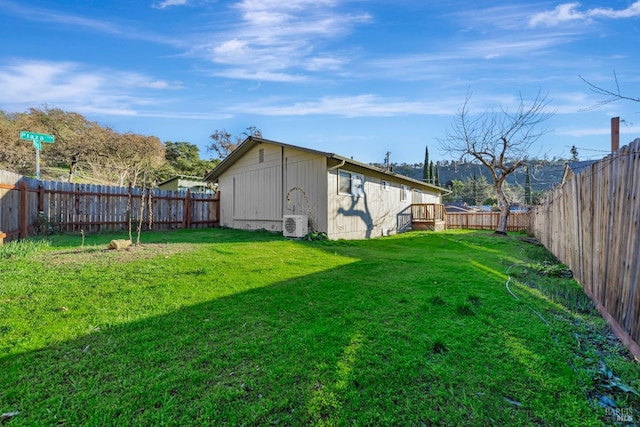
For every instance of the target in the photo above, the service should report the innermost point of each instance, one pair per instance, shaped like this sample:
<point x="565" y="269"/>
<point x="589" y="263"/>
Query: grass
<point x="22" y="248"/>
<point x="224" y="327"/>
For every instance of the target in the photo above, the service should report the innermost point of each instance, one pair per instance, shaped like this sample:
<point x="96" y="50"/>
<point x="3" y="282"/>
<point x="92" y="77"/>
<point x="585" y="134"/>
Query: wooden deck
<point x="428" y="216"/>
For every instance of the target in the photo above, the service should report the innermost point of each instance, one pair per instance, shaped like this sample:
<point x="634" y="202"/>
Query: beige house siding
<point x="375" y="213"/>
<point x="306" y="186"/>
<point x="267" y="180"/>
<point x="254" y="191"/>
<point x="420" y="196"/>
<point x="256" y="197"/>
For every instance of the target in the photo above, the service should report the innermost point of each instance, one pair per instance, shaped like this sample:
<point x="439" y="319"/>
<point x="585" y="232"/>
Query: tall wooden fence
<point x="487" y="220"/>
<point x="28" y="206"/>
<point x="591" y="223"/>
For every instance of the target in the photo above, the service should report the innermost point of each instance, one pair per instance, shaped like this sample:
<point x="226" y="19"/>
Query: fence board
<point x="92" y="208"/>
<point x="591" y="223"/>
<point x="487" y="220"/>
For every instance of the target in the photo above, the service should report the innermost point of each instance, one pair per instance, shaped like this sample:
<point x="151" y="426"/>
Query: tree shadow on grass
<point x="352" y="344"/>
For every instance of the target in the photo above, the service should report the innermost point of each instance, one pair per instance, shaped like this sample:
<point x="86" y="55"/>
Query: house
<point x="263" y="181"/>
<point x="571" y="169"/>
<point x="184" y="183"/>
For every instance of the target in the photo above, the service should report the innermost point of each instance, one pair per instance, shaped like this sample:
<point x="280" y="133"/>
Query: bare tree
<point x="610" y="95"/>
<point x="499" y="140"/>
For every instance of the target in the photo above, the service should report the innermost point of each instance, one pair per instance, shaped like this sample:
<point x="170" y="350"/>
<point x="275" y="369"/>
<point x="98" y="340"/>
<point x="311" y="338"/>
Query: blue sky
<point x="353" y="77"/>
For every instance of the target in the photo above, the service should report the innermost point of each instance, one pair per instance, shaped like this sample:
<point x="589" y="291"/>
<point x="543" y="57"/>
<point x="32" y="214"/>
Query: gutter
<point x="339" y="165"/>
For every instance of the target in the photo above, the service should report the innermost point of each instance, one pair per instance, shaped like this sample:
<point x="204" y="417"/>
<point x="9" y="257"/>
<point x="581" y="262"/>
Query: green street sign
<point x="36" y="137"/>
<point x="37" y="145"/>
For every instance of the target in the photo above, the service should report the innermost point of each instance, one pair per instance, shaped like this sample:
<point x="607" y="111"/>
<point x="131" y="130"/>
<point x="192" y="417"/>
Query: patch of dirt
<point x="103" y="256"/>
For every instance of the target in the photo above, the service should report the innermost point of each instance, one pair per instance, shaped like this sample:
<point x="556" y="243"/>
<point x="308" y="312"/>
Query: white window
<point x="404" y="193"/>
<point x="350" y="183"/>
<point x="385" y="185"/>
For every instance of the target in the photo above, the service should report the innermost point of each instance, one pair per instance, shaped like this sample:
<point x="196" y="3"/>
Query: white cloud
<point x="49" y="16"/>
<point x="167" y="3"/>
<point x="72" y="86"/>
<point x="350" y="106"/>
<point x="274" y="36"/>
<point x="567" y="12"/>
<point x="515" y="45"/>
<point x="260" y="75"/>
<point x="232" y="51"/>
<point x="321" y="63"/>
<point x="507" y="17"/>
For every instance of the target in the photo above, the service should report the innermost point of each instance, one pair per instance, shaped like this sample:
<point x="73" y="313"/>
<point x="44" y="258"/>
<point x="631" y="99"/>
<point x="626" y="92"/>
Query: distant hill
<point x="544" y="174"/>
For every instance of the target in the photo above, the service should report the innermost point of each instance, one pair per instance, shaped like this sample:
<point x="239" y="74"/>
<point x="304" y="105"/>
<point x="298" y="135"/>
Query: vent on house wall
<point x="261" y="155"/>
<point x="295" y="226"/>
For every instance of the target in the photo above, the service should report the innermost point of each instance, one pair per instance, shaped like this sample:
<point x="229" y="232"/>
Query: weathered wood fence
<point x="27" y="206"/>
<point x="591" y="223"/>
<point x="487" y="220"/>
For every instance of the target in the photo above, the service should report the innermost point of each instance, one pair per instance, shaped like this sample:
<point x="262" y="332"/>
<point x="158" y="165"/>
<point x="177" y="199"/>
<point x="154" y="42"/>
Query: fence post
<point x="217" y="196"/>
<point x="40" y="198"/>
<point x="186" y="211"/>
<point x="24" y="215"/>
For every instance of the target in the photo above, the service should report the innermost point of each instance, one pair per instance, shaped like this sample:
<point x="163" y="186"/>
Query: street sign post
<point x="37" y="139"/>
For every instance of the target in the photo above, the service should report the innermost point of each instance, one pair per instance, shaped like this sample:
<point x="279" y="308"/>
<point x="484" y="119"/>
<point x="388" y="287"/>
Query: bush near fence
<point x="591" y="223"/>
<point x="29" y="206"/>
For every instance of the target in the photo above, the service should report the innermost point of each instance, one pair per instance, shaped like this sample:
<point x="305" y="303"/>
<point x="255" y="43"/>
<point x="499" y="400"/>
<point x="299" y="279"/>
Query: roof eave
<point x="252" y="141"/>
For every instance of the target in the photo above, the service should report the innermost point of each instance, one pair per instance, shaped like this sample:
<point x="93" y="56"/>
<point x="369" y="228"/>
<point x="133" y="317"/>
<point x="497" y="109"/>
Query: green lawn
<point x="224" y="327"/>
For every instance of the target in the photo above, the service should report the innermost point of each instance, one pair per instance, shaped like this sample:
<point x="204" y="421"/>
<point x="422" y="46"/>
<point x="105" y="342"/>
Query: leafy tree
<point x="74" y="137"/>
<point x="432" y="173"/>
<point x="80" y="145"/>
<point x="425" y="167"/>
<point x="224" y="144"/>
<point x="127" y="158"/>
<point x="456" y="188"/>
<point x="184" y="159"/>
<point x="499" y="141"/>
<point x="15" y="155"/>
<point x="473" y="191"/>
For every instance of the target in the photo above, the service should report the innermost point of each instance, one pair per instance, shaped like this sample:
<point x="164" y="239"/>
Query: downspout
<point x="339" y="165"/>
<point x="282" y="178"/>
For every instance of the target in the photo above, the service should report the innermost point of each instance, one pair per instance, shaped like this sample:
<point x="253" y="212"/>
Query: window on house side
<point x="261" y="155"/>
<point x="350" y="183"/>
<point x="344" y="182"/>
<point x="404" y="193"/>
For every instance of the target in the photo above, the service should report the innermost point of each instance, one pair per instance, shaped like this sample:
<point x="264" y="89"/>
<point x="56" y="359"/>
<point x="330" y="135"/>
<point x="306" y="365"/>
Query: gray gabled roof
<point x="252" y="141"/>
<point x="578" y="167"/>
<point x="186" y="177"/>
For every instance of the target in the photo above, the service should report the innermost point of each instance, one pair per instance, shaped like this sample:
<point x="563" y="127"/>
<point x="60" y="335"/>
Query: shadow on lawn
<point x="350" y="344"/>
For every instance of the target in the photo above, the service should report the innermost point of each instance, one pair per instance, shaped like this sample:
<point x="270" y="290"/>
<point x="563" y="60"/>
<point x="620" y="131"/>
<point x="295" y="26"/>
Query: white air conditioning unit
<point x="295" y="225"/>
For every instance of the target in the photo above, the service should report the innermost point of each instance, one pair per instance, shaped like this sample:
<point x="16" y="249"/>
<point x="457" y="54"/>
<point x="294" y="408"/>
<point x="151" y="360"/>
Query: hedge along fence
<point x="29" y="206"/>
<point x="591" y="223"/>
